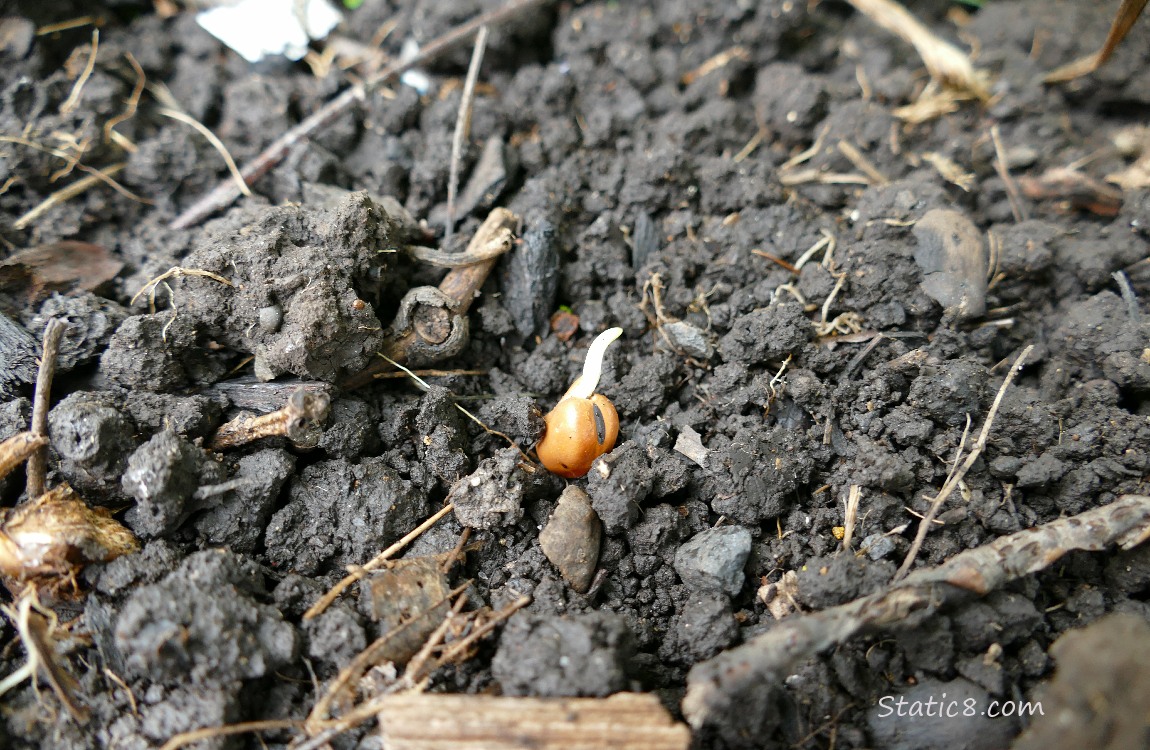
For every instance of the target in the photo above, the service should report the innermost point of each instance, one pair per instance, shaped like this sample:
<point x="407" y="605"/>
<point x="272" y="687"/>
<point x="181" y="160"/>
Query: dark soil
<point x="744" y="419"/>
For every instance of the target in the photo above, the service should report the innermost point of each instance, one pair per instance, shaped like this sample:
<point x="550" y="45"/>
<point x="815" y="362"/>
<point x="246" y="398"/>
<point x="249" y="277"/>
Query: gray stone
<point x="878" y="546"/>
<point x="713" y="559"/>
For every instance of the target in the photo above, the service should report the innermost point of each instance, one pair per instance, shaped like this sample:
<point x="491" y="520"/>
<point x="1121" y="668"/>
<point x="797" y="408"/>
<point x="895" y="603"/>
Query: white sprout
<point x="584" y="385"/>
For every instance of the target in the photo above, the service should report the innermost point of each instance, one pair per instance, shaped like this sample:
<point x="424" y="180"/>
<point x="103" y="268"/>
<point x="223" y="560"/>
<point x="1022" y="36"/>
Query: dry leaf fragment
<point x="62" y="266"/>
<point x="47" y="541"/>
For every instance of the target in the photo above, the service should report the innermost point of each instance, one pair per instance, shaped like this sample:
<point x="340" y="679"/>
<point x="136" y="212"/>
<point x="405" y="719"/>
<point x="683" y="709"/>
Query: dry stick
<point x="724" y="686"/>
<point x="957" y="472"/>
<point x="225" y="193"/>
<point x="357" y="574"/>
<point x="38" y="460"/>
<point x="1016" y="207"/>
<point x="463" y="126"/>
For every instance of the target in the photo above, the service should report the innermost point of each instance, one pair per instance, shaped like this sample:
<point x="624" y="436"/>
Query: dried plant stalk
<point x="16" y="449"/>
<point x="947" y="64"/>
<point x="721" y="687"/>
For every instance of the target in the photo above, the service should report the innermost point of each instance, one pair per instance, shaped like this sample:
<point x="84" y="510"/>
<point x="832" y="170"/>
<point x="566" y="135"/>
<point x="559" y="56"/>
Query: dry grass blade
<point x="130" y="106"/>
<point x="73" y="99"/>
<point x="946" y="63"/>
<point x="186" y="738"/>
<point x="66" y="193"/>
<point x="463" y="126"/>
<point x="958" y="471"/>
<point x="72" y="162"/>
<point x="1000" y="166"/>
<point x="211" y="138"/>
<point x="174" y="273"/>
<point x="1128" y="13"/>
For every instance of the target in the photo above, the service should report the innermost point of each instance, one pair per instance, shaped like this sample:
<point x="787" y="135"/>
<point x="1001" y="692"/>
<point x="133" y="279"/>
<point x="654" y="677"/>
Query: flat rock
<point x="712" y="560"/>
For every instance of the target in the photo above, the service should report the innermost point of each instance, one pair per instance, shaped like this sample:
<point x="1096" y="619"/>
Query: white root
<point x="585" y="385"/>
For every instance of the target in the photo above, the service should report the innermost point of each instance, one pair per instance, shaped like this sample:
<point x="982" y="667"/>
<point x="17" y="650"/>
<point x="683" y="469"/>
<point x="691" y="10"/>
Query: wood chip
<point x="625" y="721"/>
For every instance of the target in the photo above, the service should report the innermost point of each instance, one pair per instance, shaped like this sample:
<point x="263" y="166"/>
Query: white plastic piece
<point x="258" y="28"/>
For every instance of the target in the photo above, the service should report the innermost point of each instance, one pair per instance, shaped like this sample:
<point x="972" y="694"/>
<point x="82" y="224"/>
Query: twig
<point x="357" y="574"/>
<point x="1000" y="166"/>
<point x="958" y="471"/>
<point x="38" y="460"/>
<point x="225" y="193"/>
<point x="295" y="421"/>
<point x="732" y="684"/>
<point x="463" y="126"/>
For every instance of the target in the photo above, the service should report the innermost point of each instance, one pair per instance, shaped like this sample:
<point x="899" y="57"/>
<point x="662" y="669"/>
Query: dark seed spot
<point x="600" y="424"/>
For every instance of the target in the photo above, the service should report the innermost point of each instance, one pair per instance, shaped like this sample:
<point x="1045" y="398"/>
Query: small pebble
<point x="878" y="546"/>
<point x="271" y="317"/>
<point x="571" y="538"/>
<point x="713" y="560"/>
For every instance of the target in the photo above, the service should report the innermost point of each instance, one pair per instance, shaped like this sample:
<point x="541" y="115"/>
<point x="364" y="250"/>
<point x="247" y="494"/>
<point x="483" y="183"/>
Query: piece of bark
<point x="734" y="688"/>
<point x="624" y="721"/>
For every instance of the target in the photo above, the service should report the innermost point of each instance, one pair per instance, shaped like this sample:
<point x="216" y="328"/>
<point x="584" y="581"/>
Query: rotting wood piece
<point x="298" y="421"/>
<point x="625" y="721"/>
